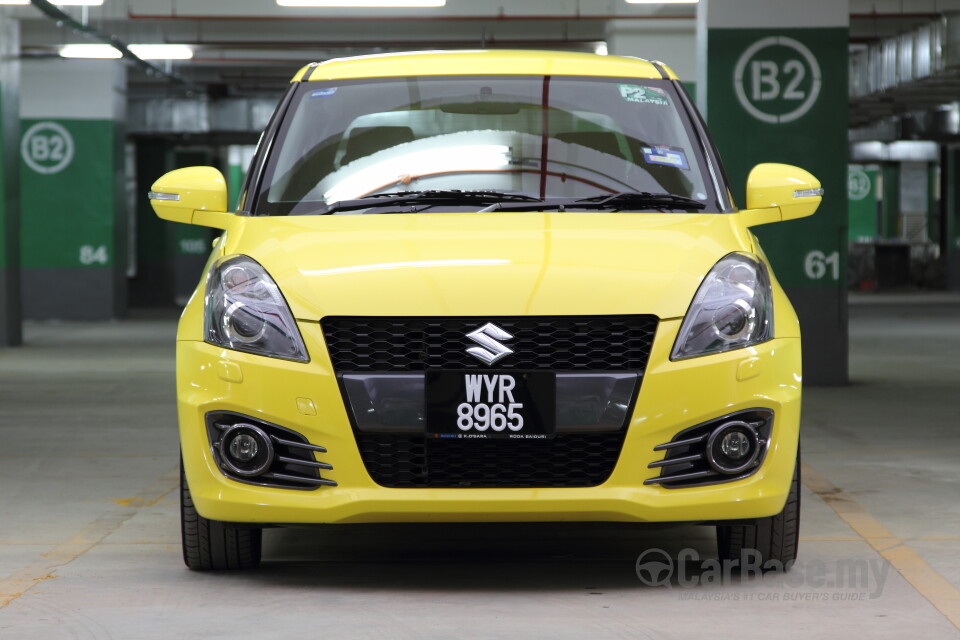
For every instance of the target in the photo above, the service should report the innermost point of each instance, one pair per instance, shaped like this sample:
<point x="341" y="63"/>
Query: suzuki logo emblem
<point x="490" y="349"/>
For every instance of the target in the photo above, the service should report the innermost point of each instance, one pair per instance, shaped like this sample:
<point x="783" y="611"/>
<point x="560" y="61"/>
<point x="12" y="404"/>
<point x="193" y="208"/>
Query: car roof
<point x="494" y="62"/>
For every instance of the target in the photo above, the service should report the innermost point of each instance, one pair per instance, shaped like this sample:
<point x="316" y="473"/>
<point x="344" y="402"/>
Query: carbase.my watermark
<point x="843" y="579"/>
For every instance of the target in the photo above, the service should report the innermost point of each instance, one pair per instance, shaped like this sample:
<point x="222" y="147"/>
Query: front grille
<point x="561" y="343"/>
<point x="411" y="461"/>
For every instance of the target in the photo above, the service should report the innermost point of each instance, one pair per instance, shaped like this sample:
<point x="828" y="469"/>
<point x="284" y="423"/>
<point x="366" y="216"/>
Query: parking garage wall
<point x="73" y="227"/>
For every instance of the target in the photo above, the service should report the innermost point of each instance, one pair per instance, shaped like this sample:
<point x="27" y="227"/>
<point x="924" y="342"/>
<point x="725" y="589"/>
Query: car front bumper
<point x="306" y="398"/>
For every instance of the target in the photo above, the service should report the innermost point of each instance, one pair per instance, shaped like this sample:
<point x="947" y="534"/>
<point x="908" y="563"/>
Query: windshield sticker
<point x="323" y="93"/>
<point x="666" y="155"/>
<point x="644" y="95"/>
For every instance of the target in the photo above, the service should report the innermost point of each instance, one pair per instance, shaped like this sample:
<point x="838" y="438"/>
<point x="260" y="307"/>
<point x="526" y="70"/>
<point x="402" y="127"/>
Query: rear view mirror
<point x="777" y="192"/>
<point x="194" y="195"/>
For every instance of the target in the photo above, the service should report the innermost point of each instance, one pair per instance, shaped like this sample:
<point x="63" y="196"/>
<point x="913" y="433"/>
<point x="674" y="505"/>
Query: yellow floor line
<point x="914" y="569"/>
<point x="859" y="539"/>
<point x="20" y="582"/>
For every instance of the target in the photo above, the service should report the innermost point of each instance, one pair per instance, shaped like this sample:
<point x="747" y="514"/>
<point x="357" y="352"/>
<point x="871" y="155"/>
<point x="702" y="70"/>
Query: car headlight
<point x="733" y="309"/>
<point x="244" y="310"/>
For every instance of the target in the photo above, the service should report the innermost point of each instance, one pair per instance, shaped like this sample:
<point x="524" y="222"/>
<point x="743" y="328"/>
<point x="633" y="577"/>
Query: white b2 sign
<point x="774" y="72"/>
<point x="47" y="148"/>
<point x="858" y="184"/>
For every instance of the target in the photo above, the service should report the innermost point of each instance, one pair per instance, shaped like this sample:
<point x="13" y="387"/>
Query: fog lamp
<point x="733" y="447"/>
<point x="244" y="447"/>
<point x="246" y="450"/>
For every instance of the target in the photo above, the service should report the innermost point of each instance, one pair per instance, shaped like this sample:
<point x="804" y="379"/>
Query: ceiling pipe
<point x="64" y="19"/>
<point x="491" y="18"/>
<point x="896" y="16"/>
<point x="366" y="44"/>
<point x="497" y="17"/>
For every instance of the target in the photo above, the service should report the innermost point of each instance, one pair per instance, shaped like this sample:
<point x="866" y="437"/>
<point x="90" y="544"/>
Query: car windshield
<point x="536" y="137"/>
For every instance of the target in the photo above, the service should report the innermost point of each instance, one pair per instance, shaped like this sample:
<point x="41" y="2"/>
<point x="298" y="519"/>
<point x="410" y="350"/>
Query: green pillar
<point x="73" y="231"/>
<point x="10" y="316"/>
<point x="238" y="160"/>
<point x="776" y="93"/>
<point x="863" y="201"/>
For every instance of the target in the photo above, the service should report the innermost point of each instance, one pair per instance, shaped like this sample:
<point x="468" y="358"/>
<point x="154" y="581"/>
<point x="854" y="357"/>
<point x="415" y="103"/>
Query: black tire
<point x="774" y="538"/>
<point x="211" y="544"/>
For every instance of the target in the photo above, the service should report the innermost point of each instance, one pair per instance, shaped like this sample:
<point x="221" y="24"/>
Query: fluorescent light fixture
<point x="62" y="3"/>
<point x="143" y="51"/>
<point x="162" y="51"/>
<point x="362" y="3"/>
<point x="102" y="51"/>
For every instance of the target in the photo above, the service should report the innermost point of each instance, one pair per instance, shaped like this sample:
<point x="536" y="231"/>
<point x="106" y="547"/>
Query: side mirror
<point x="194" y="195"/>
<point x="777" y="192"/>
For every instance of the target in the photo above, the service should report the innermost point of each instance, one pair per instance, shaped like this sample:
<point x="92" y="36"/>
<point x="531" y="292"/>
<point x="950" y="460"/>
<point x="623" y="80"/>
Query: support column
<point x="10" y="315"/>
<point x="773" y="87"/>
<point x="950" y="227"/>
<point x="72" y="189"/>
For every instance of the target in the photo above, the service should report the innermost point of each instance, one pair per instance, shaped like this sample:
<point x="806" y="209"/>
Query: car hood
<point x="488" y="264"/>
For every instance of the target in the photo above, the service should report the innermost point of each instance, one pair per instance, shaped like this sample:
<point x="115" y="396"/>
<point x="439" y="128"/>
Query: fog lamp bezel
<point x="266" y="447"/>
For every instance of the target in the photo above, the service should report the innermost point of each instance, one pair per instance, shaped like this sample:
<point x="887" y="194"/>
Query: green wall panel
<point x="235" y="177"/>
<point x="67" y="193"/>
<point x="791" y="111"/>
<point x="863" y="201"/>
<point x="891" y="201"/>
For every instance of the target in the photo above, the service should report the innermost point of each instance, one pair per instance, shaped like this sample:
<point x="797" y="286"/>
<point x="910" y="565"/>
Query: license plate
<point x="472" y="404"/>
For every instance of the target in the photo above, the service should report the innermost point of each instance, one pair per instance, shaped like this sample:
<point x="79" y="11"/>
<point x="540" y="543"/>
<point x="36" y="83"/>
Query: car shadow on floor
<point x="461" y="557"/>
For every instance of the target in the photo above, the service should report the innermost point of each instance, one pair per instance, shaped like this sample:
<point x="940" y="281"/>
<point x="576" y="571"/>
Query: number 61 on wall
<point x="816" y="263"/>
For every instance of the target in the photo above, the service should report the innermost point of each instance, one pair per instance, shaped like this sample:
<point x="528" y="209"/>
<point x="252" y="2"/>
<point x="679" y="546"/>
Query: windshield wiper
<point x="626" y="199"/>
<point x="432" y="198"/>
<point x="613" y="202"/>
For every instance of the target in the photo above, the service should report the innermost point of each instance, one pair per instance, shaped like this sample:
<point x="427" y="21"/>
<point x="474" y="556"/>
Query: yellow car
<point x="488" y="286"/>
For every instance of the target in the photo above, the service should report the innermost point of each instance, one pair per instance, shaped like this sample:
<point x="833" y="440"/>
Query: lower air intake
<point x="413" y="461"/>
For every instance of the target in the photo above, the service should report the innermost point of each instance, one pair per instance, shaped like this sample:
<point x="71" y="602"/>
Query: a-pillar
<point x="74" y="219"/>
<point x="773" y="87"/>
<point x="10" y="316"/>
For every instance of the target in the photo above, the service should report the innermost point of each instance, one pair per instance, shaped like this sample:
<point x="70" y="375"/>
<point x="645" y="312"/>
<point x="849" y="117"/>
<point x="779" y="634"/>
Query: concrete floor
<point x="89" y="533"/>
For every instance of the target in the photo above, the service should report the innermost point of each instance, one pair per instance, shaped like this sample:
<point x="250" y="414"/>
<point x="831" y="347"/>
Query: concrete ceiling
<point x="247" y="47"/>
<point x="252" y="47"/>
